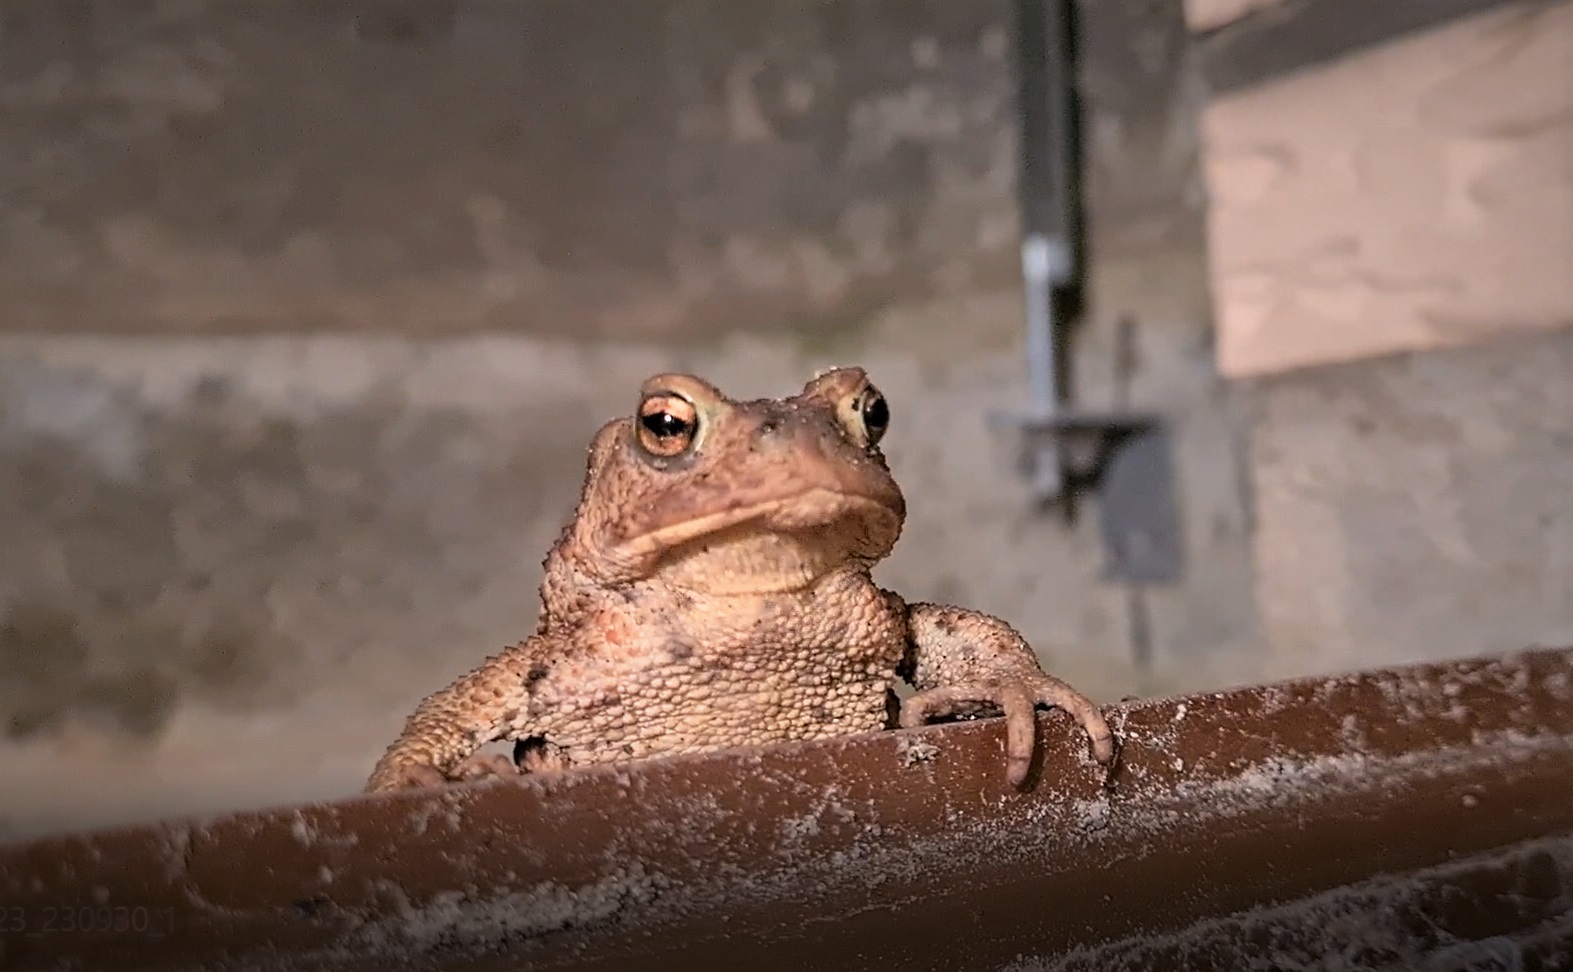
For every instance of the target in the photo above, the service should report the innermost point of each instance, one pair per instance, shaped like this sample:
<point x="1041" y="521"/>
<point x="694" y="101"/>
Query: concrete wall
<point x="1416" y="506"/>
<point x="1414" y="195"/>
<point x="310" y="319"/>
<point x="431" y="168"/>
<point x="551" y="167"/>
<point x="1391" y="251"/>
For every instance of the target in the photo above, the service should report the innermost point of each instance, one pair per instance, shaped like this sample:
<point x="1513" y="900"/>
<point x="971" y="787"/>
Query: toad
<point x="713" y="590"/>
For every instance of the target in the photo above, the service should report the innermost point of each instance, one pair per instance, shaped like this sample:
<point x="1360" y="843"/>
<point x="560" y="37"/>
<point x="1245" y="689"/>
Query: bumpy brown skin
<point x="713" y="590"/>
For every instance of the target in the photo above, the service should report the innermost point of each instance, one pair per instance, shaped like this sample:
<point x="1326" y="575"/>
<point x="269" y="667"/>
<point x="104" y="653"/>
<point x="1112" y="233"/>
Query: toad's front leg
<point x="966" y="663"/>
<point x="441" y="739"/>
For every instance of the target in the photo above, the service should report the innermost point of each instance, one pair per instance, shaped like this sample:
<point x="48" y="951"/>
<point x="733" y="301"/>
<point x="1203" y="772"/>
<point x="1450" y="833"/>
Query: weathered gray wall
<point x="1391" y="253"/>
<point x="231" y="559"/>
<point x="647" y="169"/>
<point x="664" y="168"/>
<point x="1416" y="505"/>
<point x="1413" y="195"/>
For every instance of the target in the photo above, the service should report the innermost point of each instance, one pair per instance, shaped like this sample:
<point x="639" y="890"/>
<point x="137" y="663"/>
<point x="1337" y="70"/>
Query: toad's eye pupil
<point x="664" y="425"/>
<point x="876" y="414"/>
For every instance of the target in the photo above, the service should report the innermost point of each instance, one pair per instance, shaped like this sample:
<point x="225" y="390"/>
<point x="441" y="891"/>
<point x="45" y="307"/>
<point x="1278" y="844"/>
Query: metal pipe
<point x="1049" y="217"/>
<point x="1037" y="271"/>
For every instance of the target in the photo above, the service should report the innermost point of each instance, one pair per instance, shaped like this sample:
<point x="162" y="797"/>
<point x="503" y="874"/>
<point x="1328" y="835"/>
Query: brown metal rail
<point x="1390" y="817"/>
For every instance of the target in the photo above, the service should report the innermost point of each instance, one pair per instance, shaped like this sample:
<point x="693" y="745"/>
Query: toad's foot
<point x="1018" y="701"/>
<point x="405" y="776"/>
<point x="484" y="766"/>
<point x="413" y="776"/>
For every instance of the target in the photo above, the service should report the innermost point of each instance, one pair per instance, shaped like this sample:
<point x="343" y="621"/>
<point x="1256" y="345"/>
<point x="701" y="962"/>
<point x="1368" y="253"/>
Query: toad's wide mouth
<point x="812" y="509"/>
<point x="805" y="533"/>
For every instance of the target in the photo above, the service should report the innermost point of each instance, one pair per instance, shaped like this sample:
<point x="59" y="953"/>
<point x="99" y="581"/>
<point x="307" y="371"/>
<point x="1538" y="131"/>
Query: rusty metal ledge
<point x="892" y="850"/>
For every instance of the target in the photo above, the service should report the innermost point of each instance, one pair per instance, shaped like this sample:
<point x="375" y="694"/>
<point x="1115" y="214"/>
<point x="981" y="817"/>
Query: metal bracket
<point x="1124" y="458"/>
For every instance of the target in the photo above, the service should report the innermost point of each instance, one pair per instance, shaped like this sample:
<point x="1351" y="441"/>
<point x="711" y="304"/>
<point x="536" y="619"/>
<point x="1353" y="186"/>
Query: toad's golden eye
<point x="865" y="415"/>
<point x="667" y="424"/>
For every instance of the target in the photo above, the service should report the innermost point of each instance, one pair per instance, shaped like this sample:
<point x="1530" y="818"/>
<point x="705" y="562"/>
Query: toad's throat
<point x="747" y="560"/>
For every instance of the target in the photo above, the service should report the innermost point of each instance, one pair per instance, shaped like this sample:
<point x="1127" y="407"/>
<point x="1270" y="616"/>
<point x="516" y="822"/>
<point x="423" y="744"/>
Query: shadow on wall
<point x="132" y="585"/>
<point x="96" y="631"/>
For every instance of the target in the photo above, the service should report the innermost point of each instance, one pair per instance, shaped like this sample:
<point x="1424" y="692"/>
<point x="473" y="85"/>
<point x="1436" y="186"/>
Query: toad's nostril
<point x="769" y="426"/>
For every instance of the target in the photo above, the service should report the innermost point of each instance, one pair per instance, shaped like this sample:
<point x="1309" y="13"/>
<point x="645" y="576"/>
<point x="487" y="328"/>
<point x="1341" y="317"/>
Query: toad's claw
<point x="413" y="776"/>
<point x="1018" y="702"/>
<point x="405" y="776"/>
<point x="485" y="766"/>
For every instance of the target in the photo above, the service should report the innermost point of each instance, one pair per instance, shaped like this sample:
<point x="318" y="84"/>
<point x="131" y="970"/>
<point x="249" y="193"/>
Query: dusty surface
<point x="713" y="589"/>
<point x="1519" y="907"/>
<point x="670" y="860"/>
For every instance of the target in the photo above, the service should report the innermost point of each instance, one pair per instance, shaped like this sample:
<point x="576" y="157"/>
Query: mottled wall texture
<point x="1415" y="195"/>
<point x="1391" y="261"/>
<point x="1417" y="505"/>
<point x="310" y="309"/>
<point x="428" y="168"/>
